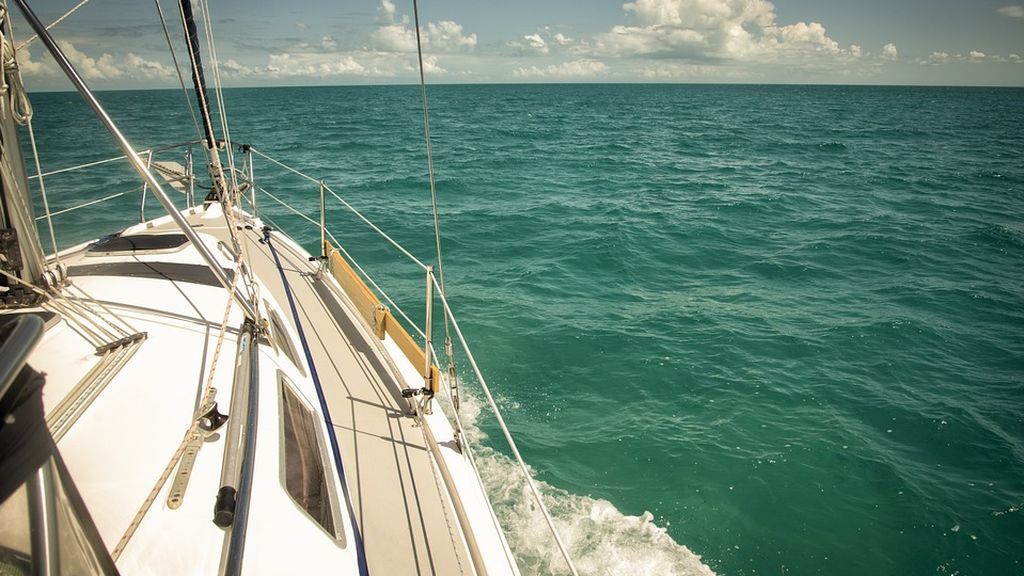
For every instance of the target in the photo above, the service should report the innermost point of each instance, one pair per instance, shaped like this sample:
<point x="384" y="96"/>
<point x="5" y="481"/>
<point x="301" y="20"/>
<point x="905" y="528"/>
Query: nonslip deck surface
<point x="405" y="521"/>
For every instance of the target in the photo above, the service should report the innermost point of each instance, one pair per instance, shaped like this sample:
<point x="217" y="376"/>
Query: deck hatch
<point x="304" y="471"/>
<point x="138" y="243"/>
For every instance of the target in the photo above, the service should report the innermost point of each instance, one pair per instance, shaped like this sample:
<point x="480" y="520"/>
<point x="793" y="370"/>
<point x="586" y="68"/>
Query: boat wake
<point x="601" y="539"/>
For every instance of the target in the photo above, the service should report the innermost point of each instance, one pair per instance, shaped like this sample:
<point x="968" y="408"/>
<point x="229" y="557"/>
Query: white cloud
<point x="972" y="57"/>
<point x="443" y="36"/>
<point x="536" y="42"/>
<point x="102" y="68"/>
<point x="447" y="36"/>
<point x="105" y="67"/>
<point x="675" y="71"/>
<point x="716" y="31"/>
<point x="138" y="67"/>
<point x="545" y="41"/>
<point x="313" y="65"/>
<point x="431" y="66"/>
<point x="701" y="14"/>
<point x="1012" y="11"/>
<point x="30" y="67"/>
<point x="573" y="69"/>
<point x="889" y="52"/>
<point x="394" y="38"/>
<point x="387" y="11"/>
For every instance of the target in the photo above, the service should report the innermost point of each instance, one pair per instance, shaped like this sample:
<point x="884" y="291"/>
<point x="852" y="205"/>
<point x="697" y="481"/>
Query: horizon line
<point x="567" y="83"/>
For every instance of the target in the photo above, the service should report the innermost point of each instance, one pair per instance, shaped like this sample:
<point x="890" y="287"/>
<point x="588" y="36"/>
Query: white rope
<point x="42" y="191"/>
<point x="11" y="82"/>
<point x="54" y="23"/>
<point x="61" y="309"/>
<point x="208" y="393"/>
<point x="126" y="329"/>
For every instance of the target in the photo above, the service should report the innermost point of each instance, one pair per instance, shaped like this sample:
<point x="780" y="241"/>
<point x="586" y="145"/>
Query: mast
<point x="216" y="170"/>
<point x="21" y="252"/>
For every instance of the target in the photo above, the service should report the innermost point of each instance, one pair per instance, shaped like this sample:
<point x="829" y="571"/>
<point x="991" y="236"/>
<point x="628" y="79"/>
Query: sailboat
<point x="198" y="394"/>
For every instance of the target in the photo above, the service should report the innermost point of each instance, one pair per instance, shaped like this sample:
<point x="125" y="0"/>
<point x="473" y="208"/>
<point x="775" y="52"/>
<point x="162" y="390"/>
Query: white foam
<point x="601" y="539"/>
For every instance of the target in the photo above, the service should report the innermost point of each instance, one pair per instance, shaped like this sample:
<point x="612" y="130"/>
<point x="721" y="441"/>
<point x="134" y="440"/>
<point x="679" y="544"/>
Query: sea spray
<point x="601" y="539"/>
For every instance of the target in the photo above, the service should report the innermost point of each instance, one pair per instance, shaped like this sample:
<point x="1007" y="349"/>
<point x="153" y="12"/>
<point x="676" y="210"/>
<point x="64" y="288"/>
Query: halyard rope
<point x="208" y="392"/>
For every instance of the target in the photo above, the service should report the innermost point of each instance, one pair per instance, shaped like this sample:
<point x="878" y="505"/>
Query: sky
<point x="119" y="44"/>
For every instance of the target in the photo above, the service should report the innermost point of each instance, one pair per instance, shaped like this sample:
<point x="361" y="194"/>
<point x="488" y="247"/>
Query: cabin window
<point x="305" y="473"/>
<point x="282" y="339"/>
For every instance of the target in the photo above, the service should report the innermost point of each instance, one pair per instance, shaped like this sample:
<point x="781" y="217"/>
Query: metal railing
<point x="187" y="178"/>
<point x="397" y="317"/>
<point x="433" y="289"/>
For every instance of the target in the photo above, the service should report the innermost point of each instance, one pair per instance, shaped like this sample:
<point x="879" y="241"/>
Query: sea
<point x="735" y="329"/>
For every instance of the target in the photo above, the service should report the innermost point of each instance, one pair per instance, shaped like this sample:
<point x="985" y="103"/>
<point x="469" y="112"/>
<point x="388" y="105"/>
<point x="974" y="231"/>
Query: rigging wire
<point x="450" y="369"/>
<point x="54" y="23"/>
<point x="177" y="69"/>
<point x="189" y="25"/>
<point x="21" y="111"/>
<point x="219" y="93"/>
<point x="440" y="268"/>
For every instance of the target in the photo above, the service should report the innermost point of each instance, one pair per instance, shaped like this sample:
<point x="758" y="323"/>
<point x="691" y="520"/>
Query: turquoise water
<point x="784" y="321"/>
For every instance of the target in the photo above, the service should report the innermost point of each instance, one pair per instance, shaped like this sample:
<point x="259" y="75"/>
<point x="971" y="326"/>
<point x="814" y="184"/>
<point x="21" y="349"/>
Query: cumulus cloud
<point x="390" y="52"/>
<point x="715" y="31"/>
<point x="543" y="42"/>
<point x="536" y="42"/>
<point x="387" y="11"/>
<point x="573" y="69"/>
<point x="400" y="36"/>
<point x="973" y="57"/>
<point x="30" y="67"/>
<point x="889" y="52"/>
<point x="102" y="68"/>
<point x="313" y="65"/>
<point x="1012" y="11"/>
<point x="444" y="36"/>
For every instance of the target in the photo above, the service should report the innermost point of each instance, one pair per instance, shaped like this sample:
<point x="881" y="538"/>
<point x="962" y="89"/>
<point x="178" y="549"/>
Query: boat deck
<point x="403" y="514"/>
